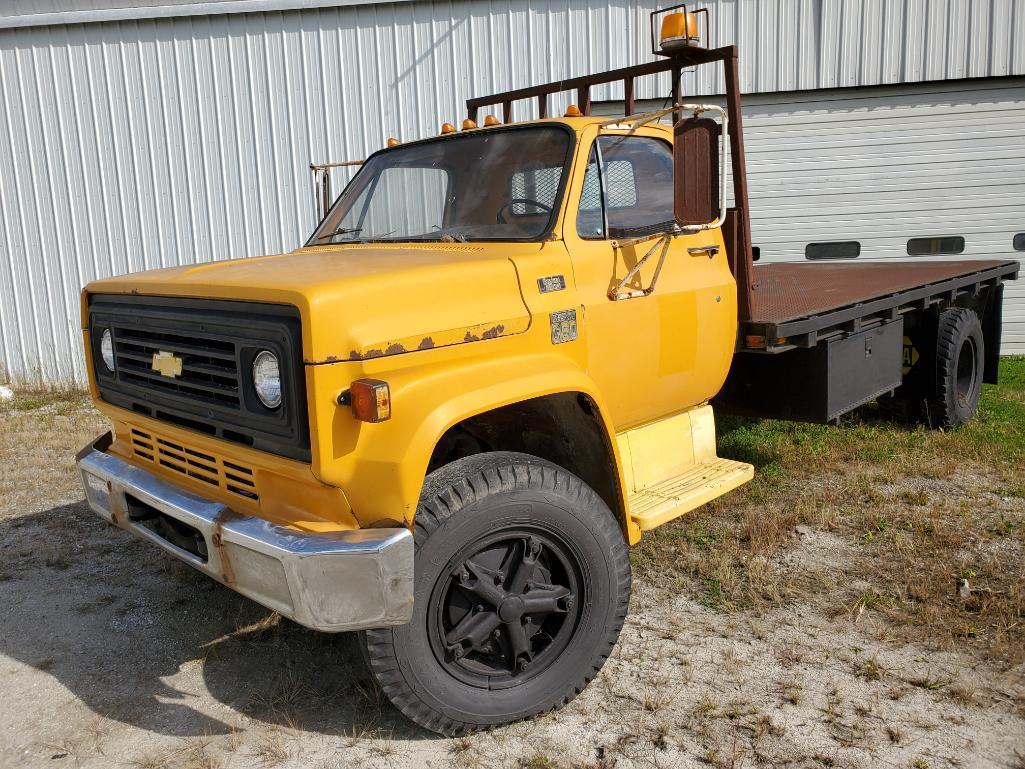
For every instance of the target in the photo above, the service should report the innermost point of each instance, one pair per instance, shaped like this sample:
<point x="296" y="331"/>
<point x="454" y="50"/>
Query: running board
<point x="672" y="498"/>
<point x="670" y="467"/>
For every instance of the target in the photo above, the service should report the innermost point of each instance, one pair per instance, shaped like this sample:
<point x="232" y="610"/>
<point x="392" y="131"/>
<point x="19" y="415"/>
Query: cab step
<point x="670" y="468"/>
<point x="680" y="494"/>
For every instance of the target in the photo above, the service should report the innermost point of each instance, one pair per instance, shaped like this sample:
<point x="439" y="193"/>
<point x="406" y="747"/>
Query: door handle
<point x="712" y="250"/>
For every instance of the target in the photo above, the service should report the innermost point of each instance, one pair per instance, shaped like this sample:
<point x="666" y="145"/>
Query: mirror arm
<point x="619" y="291"/>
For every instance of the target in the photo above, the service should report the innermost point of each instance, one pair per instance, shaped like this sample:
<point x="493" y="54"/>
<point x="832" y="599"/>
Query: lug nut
<point x="465" y="577"/>
<point x="522" y="664"/>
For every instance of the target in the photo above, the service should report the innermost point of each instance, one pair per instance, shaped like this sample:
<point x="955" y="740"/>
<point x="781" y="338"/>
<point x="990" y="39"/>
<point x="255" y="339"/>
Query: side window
<point x="636" y="176"/>
<point x="836" y="249"/>
<point x="953" y="244"/>
<point x="388" y="209"/>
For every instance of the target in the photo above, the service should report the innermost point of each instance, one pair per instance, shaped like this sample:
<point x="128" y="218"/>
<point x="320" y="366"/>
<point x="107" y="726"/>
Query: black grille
<point x="213" y="343"/>
<point x="209" y="366"/>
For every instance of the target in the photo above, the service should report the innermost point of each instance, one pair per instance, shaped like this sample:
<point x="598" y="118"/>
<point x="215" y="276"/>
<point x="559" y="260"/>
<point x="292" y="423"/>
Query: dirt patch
<point x="750" y="641"/>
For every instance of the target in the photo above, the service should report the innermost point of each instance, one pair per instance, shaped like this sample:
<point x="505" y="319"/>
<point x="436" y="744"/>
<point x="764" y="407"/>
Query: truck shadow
<point x="138" y="637"/>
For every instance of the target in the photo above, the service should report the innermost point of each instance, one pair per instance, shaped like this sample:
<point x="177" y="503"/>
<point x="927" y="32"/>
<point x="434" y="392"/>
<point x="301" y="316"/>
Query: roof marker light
<point x="468" y="124"/>
<point x="448" y="128"/>
<point x="573" y="111"/>
<point x="490" y="120"/>
<point x="393" y="142"/>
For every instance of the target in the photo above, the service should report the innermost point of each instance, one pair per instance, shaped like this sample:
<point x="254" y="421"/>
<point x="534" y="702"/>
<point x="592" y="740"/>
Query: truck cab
<point x="444" y="419"/>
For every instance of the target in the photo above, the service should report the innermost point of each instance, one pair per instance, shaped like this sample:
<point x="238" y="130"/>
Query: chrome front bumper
<point x="346" y="580"/>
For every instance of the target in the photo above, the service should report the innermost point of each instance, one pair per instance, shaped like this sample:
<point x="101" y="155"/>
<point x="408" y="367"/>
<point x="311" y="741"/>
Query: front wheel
<point x="522" y="587"/>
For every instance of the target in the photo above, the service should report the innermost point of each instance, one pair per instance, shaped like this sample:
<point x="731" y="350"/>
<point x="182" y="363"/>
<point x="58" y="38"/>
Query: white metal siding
<point x="884" y="165"/>
<point x="135" y="144"/>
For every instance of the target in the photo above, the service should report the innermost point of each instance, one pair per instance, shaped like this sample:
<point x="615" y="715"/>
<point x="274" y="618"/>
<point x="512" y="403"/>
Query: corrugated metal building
<point x="146" y="133"/>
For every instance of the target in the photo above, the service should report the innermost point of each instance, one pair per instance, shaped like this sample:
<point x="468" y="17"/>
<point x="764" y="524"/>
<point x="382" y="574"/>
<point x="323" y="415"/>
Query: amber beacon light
<point x="679" y="29"/>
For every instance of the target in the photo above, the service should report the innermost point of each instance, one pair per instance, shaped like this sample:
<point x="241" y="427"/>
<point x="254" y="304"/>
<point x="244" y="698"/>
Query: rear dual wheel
<point x="960" y="356"/>
<point x="522" y="587"/>
<point x="952" y="397"/>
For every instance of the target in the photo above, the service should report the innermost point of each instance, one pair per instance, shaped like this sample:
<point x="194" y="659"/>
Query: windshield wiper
<point x="341" y="231"/>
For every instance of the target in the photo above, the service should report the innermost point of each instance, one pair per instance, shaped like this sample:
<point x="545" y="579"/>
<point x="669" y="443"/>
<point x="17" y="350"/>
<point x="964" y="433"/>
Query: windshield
<point x="498" y="184"/>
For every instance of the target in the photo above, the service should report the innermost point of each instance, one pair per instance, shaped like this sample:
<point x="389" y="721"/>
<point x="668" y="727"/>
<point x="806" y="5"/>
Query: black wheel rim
<point x="966" y="372"/>
<point x="506" y="607"/>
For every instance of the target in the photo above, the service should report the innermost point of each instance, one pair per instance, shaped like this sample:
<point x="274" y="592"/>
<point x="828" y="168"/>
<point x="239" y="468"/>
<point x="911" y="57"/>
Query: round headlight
<point x="107" y="350"/>
<point x="267" y="379"/>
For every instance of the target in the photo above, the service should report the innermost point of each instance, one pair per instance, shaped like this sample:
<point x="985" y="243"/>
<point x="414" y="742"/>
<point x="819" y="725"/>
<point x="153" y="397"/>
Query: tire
<point x="498" y="536"/>
<point x="960" y="356"/>
<point x="901" y="408"/>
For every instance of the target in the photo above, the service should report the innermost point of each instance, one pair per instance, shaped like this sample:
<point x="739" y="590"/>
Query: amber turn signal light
<point x="370" y="400"/>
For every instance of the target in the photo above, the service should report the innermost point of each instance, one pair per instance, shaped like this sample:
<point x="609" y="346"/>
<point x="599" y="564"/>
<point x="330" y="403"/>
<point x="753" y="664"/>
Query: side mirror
<point x="696" y="182"/>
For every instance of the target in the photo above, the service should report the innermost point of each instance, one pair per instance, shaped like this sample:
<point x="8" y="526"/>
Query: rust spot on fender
<point x="394" y="349"/>
<point x="471" y="337"/>
<point x="375" y="353"/>
<point x="426" y="343"/>
<point x="354" y="355"/>
<point x="494" y="332"/>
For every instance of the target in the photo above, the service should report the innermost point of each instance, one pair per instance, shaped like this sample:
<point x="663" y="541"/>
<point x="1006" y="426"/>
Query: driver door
<point x="656" y="354"/>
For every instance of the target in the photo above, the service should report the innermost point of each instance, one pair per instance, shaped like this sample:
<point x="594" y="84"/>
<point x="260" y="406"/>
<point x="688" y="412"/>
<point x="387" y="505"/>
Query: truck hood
<point x="363" y="301"/>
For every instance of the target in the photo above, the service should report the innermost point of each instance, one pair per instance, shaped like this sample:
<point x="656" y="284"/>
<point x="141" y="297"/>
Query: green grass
<point x="29" y="399"/>
<point x="891" y="515"/>
<point x="778" y="449"/>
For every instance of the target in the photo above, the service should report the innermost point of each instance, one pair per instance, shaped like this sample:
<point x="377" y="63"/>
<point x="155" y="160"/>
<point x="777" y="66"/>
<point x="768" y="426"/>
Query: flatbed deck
<point x="797" y="304"/>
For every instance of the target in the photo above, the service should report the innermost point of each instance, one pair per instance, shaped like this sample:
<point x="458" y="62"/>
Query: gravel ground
<point x="112" y="654"/>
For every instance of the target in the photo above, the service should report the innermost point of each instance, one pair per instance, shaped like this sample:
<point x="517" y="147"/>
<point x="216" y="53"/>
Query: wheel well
<point x="564" y="428"/>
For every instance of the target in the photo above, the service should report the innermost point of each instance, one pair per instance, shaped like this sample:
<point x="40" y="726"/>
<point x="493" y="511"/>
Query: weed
<point x="870" y="670"/>
<point x="928" y="683"/>
<point x="271" y="749"/>
<point x="793" y="692"/>
<point x="918" y="497"/>
<point x="538" y="761"/>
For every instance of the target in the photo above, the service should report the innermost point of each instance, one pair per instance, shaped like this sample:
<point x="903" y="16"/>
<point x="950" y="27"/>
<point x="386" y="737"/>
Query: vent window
<point x="953" y="244"/>
<point x="838" y="249"/>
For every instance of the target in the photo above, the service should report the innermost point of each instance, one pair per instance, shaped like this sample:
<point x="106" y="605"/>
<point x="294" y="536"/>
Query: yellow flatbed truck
<point x="444" y="420"/>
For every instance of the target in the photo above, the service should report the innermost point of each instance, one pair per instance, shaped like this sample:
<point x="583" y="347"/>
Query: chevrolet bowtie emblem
<point x="167" y="364"/>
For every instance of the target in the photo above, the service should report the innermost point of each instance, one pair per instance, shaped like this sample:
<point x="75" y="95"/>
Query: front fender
<point x="381" y="467"/>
